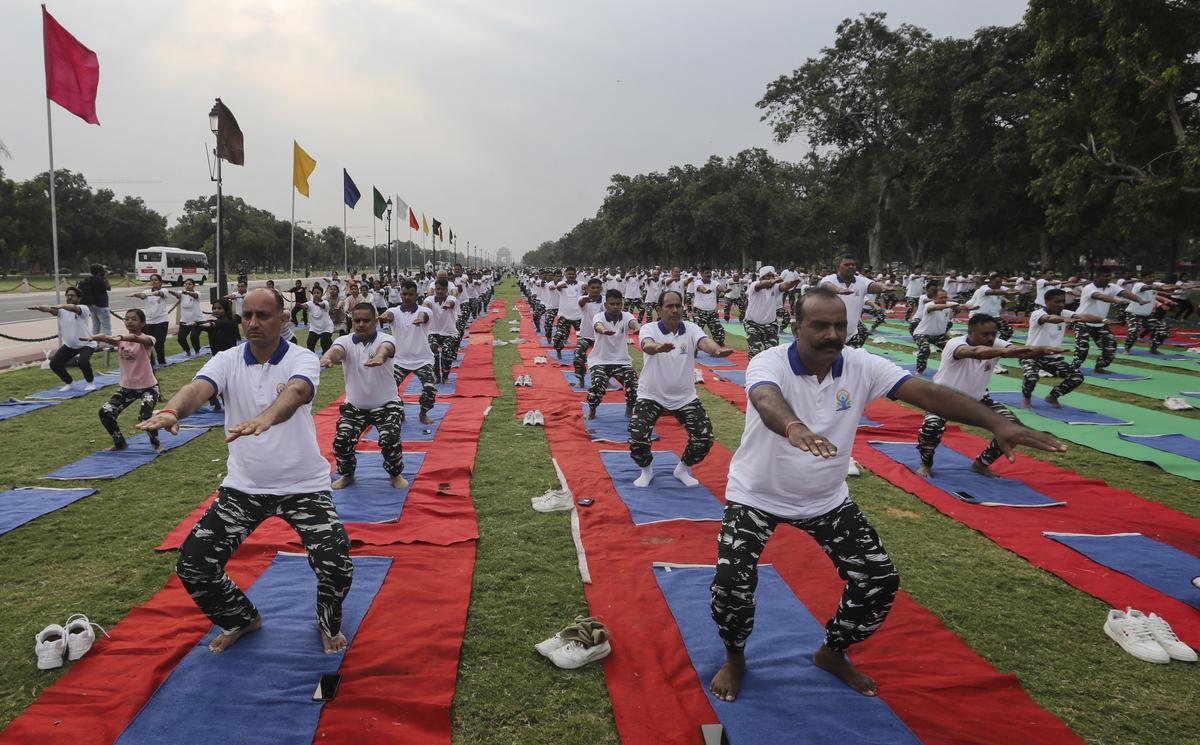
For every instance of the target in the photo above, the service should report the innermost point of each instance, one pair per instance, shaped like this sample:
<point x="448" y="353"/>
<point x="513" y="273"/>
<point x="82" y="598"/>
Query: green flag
<point x="380" y="204"/>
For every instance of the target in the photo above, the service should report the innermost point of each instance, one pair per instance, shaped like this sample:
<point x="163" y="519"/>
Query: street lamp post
<point x="388" y="223"/>
<point x="222" y="286"/>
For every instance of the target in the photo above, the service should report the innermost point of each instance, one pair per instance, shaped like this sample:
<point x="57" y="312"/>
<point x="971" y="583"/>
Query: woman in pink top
<point x="137" y="378"/>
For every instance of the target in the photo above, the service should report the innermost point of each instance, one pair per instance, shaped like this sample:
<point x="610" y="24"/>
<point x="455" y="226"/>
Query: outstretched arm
<point x="189" y="398"/>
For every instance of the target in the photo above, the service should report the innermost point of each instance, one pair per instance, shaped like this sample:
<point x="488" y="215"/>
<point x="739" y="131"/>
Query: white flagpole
<point x="53" y="208"/>
<point x="345" y="255"/>
<point x="374" y="240"/>
<point x="292" y="259"/>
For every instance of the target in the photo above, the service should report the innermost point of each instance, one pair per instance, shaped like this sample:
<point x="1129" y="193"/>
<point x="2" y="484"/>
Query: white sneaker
<point x="50" y="646"/>
<point x="559" y="502"/>
<point x="528" y="420"/>
<point x="853" y="471"/>
<point x="65" y="388"/>
<point x="573" y="654"/>
<point x="553" y="644"/>
<point x="528" y="382"/>
<point x="1165" y="636"/>
<point x="538" y="418"/>
<point x="550" y="494"/>
<point x="1133" y="634"/>
<point x="90" y="386"/>
<point x="80" y="635"/>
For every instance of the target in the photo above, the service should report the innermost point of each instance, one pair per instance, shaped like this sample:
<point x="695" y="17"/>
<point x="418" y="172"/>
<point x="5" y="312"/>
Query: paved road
<point x="13" y="305"/>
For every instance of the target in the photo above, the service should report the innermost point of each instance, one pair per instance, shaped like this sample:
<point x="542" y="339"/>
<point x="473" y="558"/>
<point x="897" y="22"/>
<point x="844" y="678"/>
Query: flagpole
<point x="410" y="248"/>
<point x="292" y="251"/>
<point x="53" y="207"/>
<point x="345" y="255"/>
<point x="375" y="245"/>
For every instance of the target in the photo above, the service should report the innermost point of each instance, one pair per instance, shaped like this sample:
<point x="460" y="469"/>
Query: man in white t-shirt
<point x="553" y="299"/>
<point x="654" y="288"/>
<point x="1046" y="326"/>
<point x="609" y="357"/>
<point x="590" y="304"/>
<point x="853" y="289"/>
<point x="933" y="326"/>
<point x="443" y="341"/>
<point x="570" y="314"/>
<point x="631" y="289"/>
<point x="414" y="356"/>
<point x="668" y="385"/>
<point x="989" y="300"/>
<point x="1142" y="317"/>
<point x="914" y="288"/>
<point x="735" y="296"/>
<point x="320" y="322"/>
<point x="275" y="469"/>
<point x="1095" y="299"/>
<point x="704" y="303"/>
<point x="762" y="333"/>
<point x="967" y="365"/>
<point x="371" y="399"/>
<point x="805" y="401"/>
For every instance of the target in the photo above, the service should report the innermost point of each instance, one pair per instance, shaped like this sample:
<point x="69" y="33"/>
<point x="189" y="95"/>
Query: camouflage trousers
<point x="537" y="310"/>
<point x="234" y="516"/>
<point x="910" y="307"/>
<point x="600" y="377"/>
<point x="119" y="401"/>
<point x="445" y="351"/>
<point x="691" y="415"/>
<point x="1104" y="340"/>
<point x="860" y="336"/>
<point x="711" y="320"/>
<point x="924" y="341"/>
<point x="563" y="332"/>
<point x="426" y="375"/>
<point x="761" y="336"/>
<point x="934" y="426"/>
<point x="1056" y="366"/>
<point x="548" y="322"/>
<point x="387" y="419"/>
<point x="1139" y="325"/>
<point x="846" y="538"/>
<point x="735" y="302"/>
<point x="579" y="360"/>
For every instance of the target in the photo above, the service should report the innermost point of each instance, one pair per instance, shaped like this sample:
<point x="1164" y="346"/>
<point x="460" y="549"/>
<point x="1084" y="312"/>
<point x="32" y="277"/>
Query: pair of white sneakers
<point x="523" y="380"/>
<point x="1148" y="638"/>
<point x="567" y="649"/>
<point x="499" y="343"/>
<point x="534" y="418"/>
<point x="539" y="360"/>
<point x="72" y="641"/>
<point x="554" y="500"/>
<point x="71" y="386"/>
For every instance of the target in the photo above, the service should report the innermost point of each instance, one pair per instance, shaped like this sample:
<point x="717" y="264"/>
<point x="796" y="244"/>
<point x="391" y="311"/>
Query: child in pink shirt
<point x="137" y="378"/>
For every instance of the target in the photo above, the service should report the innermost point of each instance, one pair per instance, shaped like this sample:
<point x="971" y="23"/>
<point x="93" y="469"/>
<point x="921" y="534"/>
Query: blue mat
<point x="952" y="474"/>
<point x="568" y="358"/>
<point x="708" y="361"/>
<point x="1181" y="445"/>
<point x="106" y="465"/>
<point x="550" y="345"/>
<point x="1170" y="357"/>
<point x="12" y="407"/>
<point x="665" y="498"/>
<point x="784" y="697"/>
<point x="1067" y="413"/>
<point x="372" y="498"/>
<point x="204" y="417"/>
<point x="574" y="382"/>
<point x="175" y="359"/>
<point x="610" y="424"/>
<point x="102" y="380"/>
<point x="19" y="506"/>
<point x="261" y="689"/>
<point x="412" y="430"/>
<point x="737" y="377"/>
<point x="1111" y="375"/>
<point x="864" y="421"/>
<point x="1154" y="564"/>
<point x="413" y="387"/>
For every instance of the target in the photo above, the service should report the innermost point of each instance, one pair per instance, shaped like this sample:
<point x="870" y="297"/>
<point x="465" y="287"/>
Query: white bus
<point x="172" y="264"/>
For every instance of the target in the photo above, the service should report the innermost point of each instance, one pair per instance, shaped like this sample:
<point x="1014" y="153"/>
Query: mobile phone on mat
<point x="327" y="687"/>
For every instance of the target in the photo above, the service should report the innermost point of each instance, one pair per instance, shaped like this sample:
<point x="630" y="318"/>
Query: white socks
<point x="684" y="474"/>
<point x="646" y="477"/>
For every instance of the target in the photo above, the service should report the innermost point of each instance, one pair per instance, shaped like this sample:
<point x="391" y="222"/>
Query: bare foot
<point x="628" y="412"/>
<point x="1026" y="403"/>
<point x="1153" y="351"/>
<point x="224" y="641"/>
<point x="399" y="481"/>
<point x="580" y="379"/>
<point x="158" y="448"/>
<point x="839" y="665"/>
<point x="925" y="471"/>
<point x="983" y="470"/>
<point x="1053" y="401"/>
<point x="727" y="683"/>
<point x="425" y="418"/>
<point x="346" y="480"/>
<point x="333" y="644"/>
<point x="115" y="448"/>
<point x="591" y="412"/>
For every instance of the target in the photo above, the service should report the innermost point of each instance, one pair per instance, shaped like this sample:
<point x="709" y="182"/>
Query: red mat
<point x="398" y="677"/>
<point x="1091" y="507"/>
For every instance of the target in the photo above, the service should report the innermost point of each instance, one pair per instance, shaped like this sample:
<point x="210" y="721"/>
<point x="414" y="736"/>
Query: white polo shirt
<point x="769" y="474"/>
<point x="855" y="300"/>
<point x="189" y="309"/>
<point x="155" y="307"/>
<point x="968" y="376"/>
<point x="286" y="458"/>
<point x="990" y="304"/>
<point x="553" y="296"/>
<point x="568" y="306"/>
<point x="237" y="299"/>
<point x="705" y="300"/>
<point x="1045" y="334"/>
<point x="319" y="321"/>
<point x="412" y="341"/>
<point x="443" y="320"/>
<point x="667" y="377"/>
<point x="762" y="303"/>
<point x="1145" y="292"/>
<point x="367" y="387"/>
<point x="934" y="322"/>
<point x="72" y="327"/>
<point x="1041" y="285"/>
<point x="1096" y="307"/>
<point x="915" y="286"/>
<point x="611" y="350"/>
<point x="587" y="311"/>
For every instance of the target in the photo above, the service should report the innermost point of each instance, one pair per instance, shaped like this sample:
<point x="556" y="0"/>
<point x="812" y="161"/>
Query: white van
<point x="172" y="264"/>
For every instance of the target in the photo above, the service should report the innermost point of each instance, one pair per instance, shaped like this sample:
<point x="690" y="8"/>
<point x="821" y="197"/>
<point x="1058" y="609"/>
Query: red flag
<point x="412" y="220"/>
<point x="72" y="70"/>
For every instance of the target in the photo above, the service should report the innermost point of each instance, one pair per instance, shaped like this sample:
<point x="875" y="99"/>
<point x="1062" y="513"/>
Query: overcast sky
<point x="503" y="118"/>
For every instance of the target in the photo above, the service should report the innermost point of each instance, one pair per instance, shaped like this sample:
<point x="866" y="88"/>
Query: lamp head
<point x="213" y="119"/>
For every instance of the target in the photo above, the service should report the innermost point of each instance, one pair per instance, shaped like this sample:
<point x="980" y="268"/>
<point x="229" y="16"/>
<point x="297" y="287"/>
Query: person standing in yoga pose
<point x="137" y="378"/>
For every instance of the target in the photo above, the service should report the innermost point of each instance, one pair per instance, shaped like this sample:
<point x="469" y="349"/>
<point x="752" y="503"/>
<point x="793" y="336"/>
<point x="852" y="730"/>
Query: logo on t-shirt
<point x="843" y="399"/>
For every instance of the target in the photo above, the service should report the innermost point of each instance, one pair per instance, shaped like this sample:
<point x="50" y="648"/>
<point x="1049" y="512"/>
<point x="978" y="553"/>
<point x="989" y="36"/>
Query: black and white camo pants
<point x="548" y="322"/>
<point x="118" y="403"/>
<point x="879" y="314"/>
<point x="1139" y="325"/>
<point x="563" y="332"/>
<point x="230" y="519"/>
<point x="923" y="343"/>
<point x="846" y="538"/>
<point x="1104" y="340"/>
<point x="760" y="337"/>
<point x="445" y="351"/>
<point x="1004" y="329"/>
<point x="1056" y="366"/>
<point x="860" y="336"/>
<point x="691" y="415"/>
<point x="460" y="323"/>
<point x="934" y="426"/>
<point x="731" y="303"/>
<point x="579" y="362"/>
<point x="710" y="320"/>
<point x="425" y="374"/>
<point x="910" y="307"/>
<point x="388" y="419"/>
<point x="536" y="310"/>
<point x="600" y="377"/>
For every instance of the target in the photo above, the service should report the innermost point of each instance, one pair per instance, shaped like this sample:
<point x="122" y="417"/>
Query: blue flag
<point x="351" y="190"/>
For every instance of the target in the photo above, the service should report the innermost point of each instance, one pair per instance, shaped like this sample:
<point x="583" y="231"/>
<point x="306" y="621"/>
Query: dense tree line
<point x="1074" y="136"/>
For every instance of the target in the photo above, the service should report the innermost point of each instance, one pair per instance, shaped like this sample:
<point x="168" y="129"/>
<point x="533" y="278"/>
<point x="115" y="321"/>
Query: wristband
<point x="787" y="431"/>
<point x="172" y="412"/>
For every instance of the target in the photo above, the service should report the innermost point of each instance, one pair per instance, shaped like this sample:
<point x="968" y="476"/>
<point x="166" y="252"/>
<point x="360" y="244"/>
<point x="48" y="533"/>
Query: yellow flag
<point x="424" y="225"/>
<point x="302" y="167"/>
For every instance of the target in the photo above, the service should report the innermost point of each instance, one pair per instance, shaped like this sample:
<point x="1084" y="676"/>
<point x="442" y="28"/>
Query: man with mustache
<point x="805" y="403"/>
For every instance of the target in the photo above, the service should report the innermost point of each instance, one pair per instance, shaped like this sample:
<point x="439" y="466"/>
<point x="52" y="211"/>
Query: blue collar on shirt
<point x="663" y="328"/>
<point x="799" y="368"/>
<point x="276" y="356"/>
<point x="367" y="342"/>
